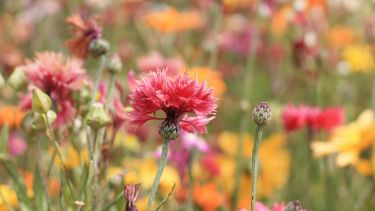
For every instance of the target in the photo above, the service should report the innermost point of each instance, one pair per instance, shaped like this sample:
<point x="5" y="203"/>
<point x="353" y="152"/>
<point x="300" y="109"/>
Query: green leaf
<point x="41" y="200"/>
<point x="4" y="141"/>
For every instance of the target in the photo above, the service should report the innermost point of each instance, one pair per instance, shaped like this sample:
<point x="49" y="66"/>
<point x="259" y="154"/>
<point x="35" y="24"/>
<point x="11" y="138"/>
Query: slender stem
<point x="155" y="185"/>
<point x="110" y="90"/>
<point x="247" y="83"/>
<point x="217" y="24"/>
<point x="98" y="76"/>
<point x="94" y="175"/>
<point x="254" y="162"/>
<point x="52" y="137"/>
<point x="191" y="180"/>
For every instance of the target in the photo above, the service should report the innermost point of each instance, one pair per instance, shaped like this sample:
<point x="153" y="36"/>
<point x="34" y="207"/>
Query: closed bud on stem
<point x="17" y="80"/>
<point x="41" y="122"/>
<point x="98" y="47"/>
<point x="82" y="96"/>
<point x="262" y="114"/>
<point x="97" y="117"/>
<point x="114" y="65"/>
<point x="169" y="129"/>
<point x="41" y="102"/>
<point x="293" y="206"/>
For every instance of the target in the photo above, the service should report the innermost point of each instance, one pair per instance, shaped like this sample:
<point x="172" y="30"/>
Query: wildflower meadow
<point x="175" y="105"/>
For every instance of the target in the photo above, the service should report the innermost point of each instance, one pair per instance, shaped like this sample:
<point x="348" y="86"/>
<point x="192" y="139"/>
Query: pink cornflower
<point x="185" y="102"/>
<point x="58" y="77"/>
<point x="292" y="118"/>
<point x="85" y="30"/>
<point x="16" y="145"/>
<point x="330" y="118"/>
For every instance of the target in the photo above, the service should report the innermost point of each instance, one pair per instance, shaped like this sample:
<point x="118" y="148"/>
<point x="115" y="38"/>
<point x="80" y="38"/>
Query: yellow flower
<point x="349" y="141"/>
<point x="143" y="171"/>
<point x="73" y="158"/>
<point x="213" y="78"/>
<point x="359" y="58"/>
<point x="237" y="4"/>
<point x="170" y="20"/>
<point x="10" y="197"/>
<point x="128" y="141"/>
<point x="274" y="160"/>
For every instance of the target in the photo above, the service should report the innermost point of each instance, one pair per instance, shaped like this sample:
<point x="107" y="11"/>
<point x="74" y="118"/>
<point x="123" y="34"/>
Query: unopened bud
<point x="262" y="114"/>
<point x="41" y="102"/>
<point x="97" y="117"/>
<point x="41" y="121"/>
<point x="17" y="80"/>
<point x="169" y="130"/>
<point x="114" y="65"/>
<point x="82" y="96"/>
<point x="98" y="47"/>
<point x="293" y="206"/>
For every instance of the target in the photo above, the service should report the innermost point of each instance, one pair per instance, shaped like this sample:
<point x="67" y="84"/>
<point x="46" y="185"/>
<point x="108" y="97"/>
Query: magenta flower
<point x="185" y="102"/>
<point x="16" y="145"/>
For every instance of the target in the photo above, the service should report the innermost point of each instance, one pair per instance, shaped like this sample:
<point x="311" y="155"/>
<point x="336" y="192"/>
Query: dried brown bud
<point x="262" y="114"/>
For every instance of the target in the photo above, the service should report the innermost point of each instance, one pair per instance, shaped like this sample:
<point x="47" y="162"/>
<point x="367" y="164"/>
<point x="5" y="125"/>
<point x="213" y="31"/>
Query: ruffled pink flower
<point x="184" y="101"/>
<point x="58" y="77"/>
<point x="330" y="118"/>
<point x="154" y="61"/>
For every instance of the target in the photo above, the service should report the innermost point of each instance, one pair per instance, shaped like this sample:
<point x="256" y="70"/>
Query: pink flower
<point x="58" y="77"/>
<point x="297" y="117"/>
<point x="292" y="118"/>
<point x="177" y="98"/>
<point x="154" y="61"/>
<point x="16" y="145"/>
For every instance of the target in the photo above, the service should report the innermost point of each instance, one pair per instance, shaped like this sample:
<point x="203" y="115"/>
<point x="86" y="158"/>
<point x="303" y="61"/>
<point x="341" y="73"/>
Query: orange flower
<point x="85" y="30"/>
<point x="317" y="5"/>
<point x="207" y="197"/>
<point x="341" y="36"/>
<point x="11" y="116"/>
<point x="280" y="20"/>
<point x="213" y="78"/>
<point x="170" y="20"/>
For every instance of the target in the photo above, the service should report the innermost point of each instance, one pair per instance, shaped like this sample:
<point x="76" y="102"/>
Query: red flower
<point x="58" y="77"/>
<point x="176" y="98"/>
<point x="330" y="118"/>
<point x="85" y="30"/>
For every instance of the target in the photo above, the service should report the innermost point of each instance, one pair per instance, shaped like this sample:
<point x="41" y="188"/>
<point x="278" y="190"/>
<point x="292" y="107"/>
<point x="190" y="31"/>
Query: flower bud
<point x="169" y="130"/>
<point x="262" y="114"/>
<point x="114" y="65"/>
<point x="293" y="206"/>
<point x="41" y="102"/>
<point x="17" y="80"/>
<point x="82" y="96"/>
<point x="41" y="123"/>
<point x="98" y="47"/>
<point x="97" y="117"/>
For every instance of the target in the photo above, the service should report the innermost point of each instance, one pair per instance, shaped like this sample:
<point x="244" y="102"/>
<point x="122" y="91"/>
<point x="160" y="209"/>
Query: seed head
<point x="262" y="114"/>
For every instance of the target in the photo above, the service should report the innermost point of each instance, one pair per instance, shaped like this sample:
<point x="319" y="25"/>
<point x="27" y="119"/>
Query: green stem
<point x="217" y="24"/>
<point x="98" y="76"/>
<point x="110" y="90"/>
<point x="94" y="175"/>
<point x="191" y="181"/>
<point x="254" y="162"/>
<point x="155" y="185"/>
<point x="52" y="137"/>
